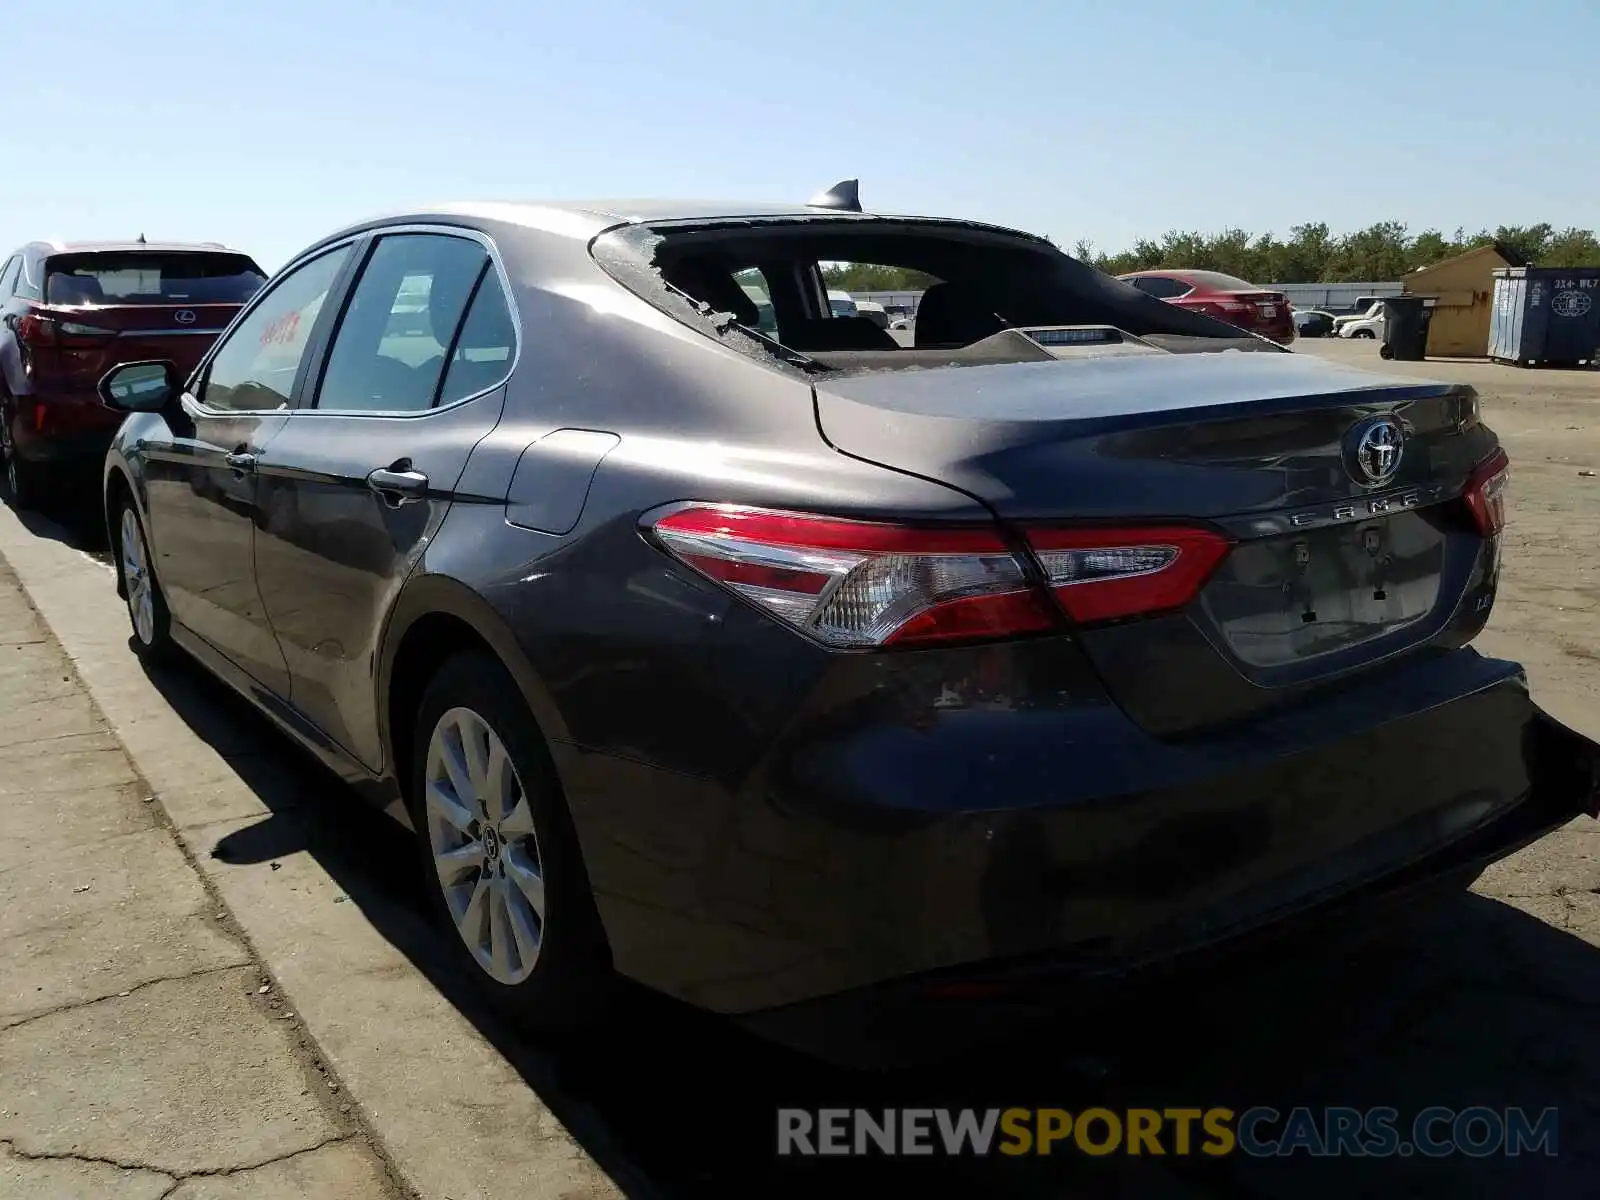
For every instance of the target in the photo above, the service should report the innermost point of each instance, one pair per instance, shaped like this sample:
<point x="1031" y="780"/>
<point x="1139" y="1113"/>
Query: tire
<point x="23" y="481"/>
<point x="147" y="607"/>
<point x="1364" y="333"/>
<point x="546" y="968"/>
<point x="1386" y="351"/>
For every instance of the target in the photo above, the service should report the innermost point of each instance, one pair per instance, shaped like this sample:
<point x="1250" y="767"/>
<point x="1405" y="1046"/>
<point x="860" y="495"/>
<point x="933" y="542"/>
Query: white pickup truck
<point x="1368" y="324"/>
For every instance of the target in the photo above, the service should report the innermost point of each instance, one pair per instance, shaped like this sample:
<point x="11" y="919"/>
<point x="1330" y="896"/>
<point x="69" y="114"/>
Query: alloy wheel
<point x="136" y="579"/>
<point x="481" y="840"/>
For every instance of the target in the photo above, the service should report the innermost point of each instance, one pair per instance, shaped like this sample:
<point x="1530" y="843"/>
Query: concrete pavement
<point x="205" y="861"/>
<point x="142" y="1051"/>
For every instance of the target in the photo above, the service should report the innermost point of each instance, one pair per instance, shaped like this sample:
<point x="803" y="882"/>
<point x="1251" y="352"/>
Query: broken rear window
<point x="987" y="295"/>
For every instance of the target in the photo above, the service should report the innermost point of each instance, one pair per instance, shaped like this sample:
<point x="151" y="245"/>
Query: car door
<point x="363" y="472"/>
<point x="200" y="474"/>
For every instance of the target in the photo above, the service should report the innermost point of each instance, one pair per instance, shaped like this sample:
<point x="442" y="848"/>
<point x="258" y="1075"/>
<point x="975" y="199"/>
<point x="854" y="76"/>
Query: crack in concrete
<point x="73" y="1005"/>
<point x="177" y="1177"/>
<point x="26" y="742"/>
<point x="121" y="1164"/>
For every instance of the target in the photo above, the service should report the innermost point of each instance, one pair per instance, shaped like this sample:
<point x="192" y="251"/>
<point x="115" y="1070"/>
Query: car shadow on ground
<point x="75" y="519"/>
<point x="1473" y="1003"/>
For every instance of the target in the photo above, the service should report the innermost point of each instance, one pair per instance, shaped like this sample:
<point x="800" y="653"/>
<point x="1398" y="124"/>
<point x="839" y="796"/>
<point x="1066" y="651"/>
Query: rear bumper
<point x="74" y="428"/>
<point x="890" y="840"/>
<point x="938" y="1013"/>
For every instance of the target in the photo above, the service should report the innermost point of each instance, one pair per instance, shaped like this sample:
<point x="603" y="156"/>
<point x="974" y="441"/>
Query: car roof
<point x="587" y="218"/>
<point x="120" y="247"/>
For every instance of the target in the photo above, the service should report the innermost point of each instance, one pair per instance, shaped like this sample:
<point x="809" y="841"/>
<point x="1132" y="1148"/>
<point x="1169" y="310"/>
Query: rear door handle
<point x="240" y="460"/>
<point x="398" y="487"/>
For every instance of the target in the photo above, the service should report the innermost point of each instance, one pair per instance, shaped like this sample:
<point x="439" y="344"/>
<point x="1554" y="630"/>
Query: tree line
<point x="1310" y="254"/>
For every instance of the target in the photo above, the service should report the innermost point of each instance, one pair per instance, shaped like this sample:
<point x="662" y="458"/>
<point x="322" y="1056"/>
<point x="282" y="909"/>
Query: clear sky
<point x="268" y="124"/>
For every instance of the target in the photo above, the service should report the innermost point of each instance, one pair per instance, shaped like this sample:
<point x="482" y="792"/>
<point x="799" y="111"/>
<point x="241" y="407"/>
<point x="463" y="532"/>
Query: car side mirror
<point x="140" y="386"/>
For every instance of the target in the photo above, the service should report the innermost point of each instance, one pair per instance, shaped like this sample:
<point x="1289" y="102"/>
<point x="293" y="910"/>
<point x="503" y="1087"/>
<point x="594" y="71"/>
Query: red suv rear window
<point x="151" y="277"/>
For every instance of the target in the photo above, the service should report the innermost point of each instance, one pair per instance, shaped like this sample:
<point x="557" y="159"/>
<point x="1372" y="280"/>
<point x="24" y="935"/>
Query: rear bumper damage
<point x="897" y="853"/>
<point x="939" y="1011"/>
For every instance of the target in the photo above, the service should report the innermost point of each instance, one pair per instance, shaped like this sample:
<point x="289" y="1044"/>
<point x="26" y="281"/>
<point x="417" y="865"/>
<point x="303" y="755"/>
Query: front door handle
<point x="398" y="487"/>
<point x="240" y="460"/>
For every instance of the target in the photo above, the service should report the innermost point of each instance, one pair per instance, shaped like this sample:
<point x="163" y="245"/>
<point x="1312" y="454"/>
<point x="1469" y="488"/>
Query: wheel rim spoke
<point x="498" y="782"/>
<point x="473" y="921"/>
<point x="455" y="766"/>
<point x="518" y="823"/>
<point x="523" y="924"/>
<point x="484" y="845"/>
<point x="529" y="883"/>
<point x="499" y="929"/>
<point x="475" y="753"/>
<point x="446" y="806"/>
<point x="453" y="864"/>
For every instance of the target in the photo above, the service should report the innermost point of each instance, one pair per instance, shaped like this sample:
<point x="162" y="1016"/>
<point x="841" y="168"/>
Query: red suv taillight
<point x="867" y="584"/>
<point x="36" y="330"/>
<point x="1486" y="493"/>
<point x="1105" y="574"/>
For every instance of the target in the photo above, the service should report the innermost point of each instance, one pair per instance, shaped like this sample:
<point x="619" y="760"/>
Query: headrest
<point x="949" y="315"/>
<point x="76" y="289"/>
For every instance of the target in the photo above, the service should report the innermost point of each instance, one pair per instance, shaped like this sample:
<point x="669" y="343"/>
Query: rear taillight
<point x="1104" y="574"/>
<point x="1486" y="493"/>
<point x="860" y="583"/>
<point x="34" y="330"/>
<point x="76" y="329"/>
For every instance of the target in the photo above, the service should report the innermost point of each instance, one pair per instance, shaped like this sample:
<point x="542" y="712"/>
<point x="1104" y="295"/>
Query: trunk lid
<point x="1261" y="311"/>
<point x="1332" y="568"/>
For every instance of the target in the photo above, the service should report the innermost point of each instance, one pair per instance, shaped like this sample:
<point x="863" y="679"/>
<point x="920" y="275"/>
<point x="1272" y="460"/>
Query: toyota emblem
<point x="184" y="316"/>
<point x="1377" y="446"/>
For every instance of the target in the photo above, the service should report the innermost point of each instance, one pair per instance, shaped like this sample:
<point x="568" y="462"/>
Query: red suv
<point x="1222" y="296"/>
<point x="69" y="313"/>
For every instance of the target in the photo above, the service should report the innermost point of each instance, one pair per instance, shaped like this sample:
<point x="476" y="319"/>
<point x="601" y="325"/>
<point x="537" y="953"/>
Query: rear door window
<point x="151" y="277"/>
<point x="1162" y="287"/>
<point x="485" y="347"/>
<point x="395" y="338"/>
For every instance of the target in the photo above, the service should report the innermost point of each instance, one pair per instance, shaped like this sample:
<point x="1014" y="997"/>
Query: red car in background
<point x="1225" y="297"/>
<point x="71" y="312"/>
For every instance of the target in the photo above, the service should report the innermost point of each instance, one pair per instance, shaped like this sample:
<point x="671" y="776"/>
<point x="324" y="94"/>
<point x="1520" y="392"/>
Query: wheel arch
<point x="435" y="617"/>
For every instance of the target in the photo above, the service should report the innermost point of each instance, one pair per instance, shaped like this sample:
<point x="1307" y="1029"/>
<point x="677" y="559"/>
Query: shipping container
<point x="1545" y="316"/>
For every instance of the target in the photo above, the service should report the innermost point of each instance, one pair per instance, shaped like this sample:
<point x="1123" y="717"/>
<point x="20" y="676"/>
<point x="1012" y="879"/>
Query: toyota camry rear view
<point x="710" y="638"/>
